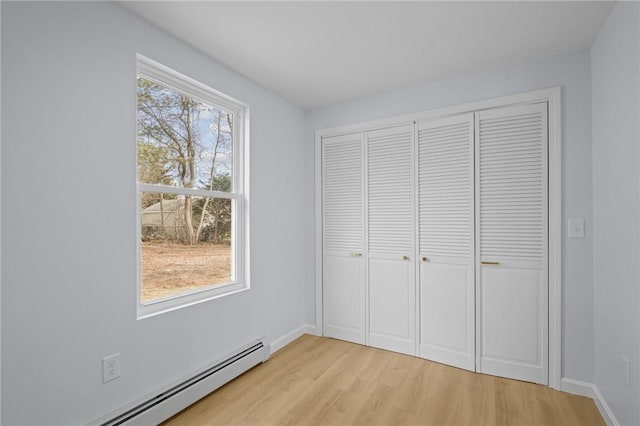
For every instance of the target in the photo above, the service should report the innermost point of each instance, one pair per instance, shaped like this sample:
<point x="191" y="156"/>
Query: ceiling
<point x="319" y="53"/>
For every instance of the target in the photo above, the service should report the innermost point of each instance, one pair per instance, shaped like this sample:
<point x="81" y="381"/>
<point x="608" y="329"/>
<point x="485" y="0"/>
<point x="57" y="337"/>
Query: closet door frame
<point x="553" y="98"/>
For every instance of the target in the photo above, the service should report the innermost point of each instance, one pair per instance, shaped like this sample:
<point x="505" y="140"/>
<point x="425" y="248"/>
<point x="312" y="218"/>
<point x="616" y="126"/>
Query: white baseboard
<point x="310" y="329"/>
<point x="283" y="341"/>
<point x="578" y="387"/>
<point x="604" y="408"/>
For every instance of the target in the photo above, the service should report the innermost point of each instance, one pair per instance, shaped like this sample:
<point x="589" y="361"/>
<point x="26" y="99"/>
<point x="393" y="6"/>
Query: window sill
<point x="153" y="308"/>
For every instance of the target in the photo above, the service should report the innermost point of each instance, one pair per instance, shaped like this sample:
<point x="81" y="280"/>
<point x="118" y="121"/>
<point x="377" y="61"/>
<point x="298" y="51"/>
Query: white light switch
<point x="576" y="228"/>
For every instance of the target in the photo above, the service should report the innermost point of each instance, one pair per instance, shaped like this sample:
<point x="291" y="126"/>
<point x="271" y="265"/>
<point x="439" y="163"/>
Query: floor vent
<point x="177" y="397"/>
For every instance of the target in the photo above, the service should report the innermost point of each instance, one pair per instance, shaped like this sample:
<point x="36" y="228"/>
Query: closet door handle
<point x="425" y="259"/>
<point x="405" y="257"/>
<point x="355" y="254"/>
<point x="489" y="262"/>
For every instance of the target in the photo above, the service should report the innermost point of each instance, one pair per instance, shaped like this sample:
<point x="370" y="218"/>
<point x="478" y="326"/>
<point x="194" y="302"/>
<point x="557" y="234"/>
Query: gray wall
<point x="615" y="65"/>
<point x="68" y="219"/>
<point x="572" y="73"/>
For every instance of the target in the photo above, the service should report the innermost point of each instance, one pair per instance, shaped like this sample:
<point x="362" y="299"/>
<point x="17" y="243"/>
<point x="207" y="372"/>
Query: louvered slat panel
<point x="512" y="183"/>
<point x="343" y="195"/>
<point x="390" y="190"/>
<point x="445" y="182"/>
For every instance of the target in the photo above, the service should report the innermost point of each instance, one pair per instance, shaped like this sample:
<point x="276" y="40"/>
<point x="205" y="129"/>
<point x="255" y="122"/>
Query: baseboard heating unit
<point x="159" y="406"/>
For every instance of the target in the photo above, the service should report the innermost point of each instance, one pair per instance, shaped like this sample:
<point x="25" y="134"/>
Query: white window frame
<point x="167" y="77"/>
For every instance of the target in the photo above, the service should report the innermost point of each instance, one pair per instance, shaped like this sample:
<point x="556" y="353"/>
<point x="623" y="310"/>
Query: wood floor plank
<point x="322" y="381"/>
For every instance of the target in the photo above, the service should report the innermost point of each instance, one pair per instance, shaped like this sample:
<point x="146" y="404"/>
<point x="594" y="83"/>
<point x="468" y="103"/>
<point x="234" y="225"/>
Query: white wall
<point x="615" y="65"/>
<point x="572" y="73"/>
<point x="68" y="218"/>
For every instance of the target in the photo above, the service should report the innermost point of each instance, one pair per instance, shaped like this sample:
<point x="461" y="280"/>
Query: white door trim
<point x="550" y="95"/>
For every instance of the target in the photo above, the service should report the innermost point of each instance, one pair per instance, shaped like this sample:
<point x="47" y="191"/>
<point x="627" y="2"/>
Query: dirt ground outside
<point x="170" y="269"/>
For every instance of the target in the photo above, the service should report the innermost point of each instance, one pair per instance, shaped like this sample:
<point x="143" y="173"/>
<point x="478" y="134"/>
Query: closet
<point x="446" y="222"/>
<point x="390" y="220"/>
<point x="344" y="290"/>
<point x="512" y="242"/>
<point x="435" y="239"/>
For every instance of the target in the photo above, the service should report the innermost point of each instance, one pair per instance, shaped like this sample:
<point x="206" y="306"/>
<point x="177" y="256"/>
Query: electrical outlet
<point x="625" y="369"/>
<point x="576" y="228"/>
<point x="110" y="368"/>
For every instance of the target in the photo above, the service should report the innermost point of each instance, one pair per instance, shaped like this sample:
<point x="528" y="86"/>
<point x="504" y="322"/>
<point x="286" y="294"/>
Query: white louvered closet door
<point x="512" y="237"/>
<point x="446" y="243"/>
<point x="391" y="276"/>
<point x="343" y="237"/>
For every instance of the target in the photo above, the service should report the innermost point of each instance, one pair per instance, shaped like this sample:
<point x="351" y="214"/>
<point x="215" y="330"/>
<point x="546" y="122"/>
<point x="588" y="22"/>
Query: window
<point x="192" y="226"/>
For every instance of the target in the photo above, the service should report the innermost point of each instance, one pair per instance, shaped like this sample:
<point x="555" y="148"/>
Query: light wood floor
<point x="322" y="381"/>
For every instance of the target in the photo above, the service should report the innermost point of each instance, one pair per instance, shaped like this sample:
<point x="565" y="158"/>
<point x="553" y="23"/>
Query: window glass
<point x="182" y="142"/>
<point x="169" y="264"/>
